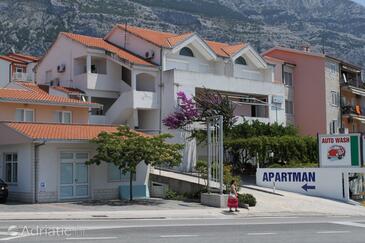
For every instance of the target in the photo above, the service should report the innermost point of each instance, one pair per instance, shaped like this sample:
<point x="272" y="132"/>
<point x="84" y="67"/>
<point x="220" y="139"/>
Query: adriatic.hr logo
<point x="336" y="152"/>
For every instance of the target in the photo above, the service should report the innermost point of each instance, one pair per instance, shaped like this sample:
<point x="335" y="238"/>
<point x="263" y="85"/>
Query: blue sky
<point x="360" y="1"/>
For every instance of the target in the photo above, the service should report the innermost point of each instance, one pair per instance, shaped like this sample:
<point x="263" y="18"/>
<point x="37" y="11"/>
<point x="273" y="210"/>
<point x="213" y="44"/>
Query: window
<point x="11" y="167"/>
<point x="19" y="70"/>
<point x="333" y="126"/>
<point x="335" y="98"/>
<point x="24" y="115"/>
<point x="186" y="51"/>
<point x="333" y="67"/>
<point x="115" y="175"/>
<point x="289" y="107"/>
<point x="288" y="78"/>
<point x="240" y="61"/>
<point x="64" y="117"/>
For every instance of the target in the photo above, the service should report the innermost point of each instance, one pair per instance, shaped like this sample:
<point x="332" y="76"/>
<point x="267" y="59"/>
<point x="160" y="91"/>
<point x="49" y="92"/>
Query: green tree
<point x="127" y="148"/>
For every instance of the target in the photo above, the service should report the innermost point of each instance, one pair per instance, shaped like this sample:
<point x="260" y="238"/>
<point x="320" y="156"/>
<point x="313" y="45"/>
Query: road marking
<point x="350" y="224"/>
<point x="177" y="236"/>
<point x="92" y="238"/>
<point x="334" y="232"/>
<point x="14" y="237"/>
<point x="263" y="233"/>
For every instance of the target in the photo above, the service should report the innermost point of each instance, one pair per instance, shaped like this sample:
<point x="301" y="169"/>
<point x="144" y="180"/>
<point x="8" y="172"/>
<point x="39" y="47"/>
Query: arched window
<point x="186" y="51"/>
<point x="240" y="61"/>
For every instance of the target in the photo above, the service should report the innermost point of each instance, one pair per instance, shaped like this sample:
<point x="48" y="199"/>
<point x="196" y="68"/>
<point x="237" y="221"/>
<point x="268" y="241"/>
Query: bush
<point x="294" y="164"/>
<point x="171" y="195"/>
<point x="246" y="199"/>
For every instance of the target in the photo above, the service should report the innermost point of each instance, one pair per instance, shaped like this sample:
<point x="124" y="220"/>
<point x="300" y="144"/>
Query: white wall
<point x="63" y="51"/>
<point x="4" y="72"/>
<point x="23" y="189"/>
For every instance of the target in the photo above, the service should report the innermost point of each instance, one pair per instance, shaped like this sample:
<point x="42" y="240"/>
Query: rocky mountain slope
<point x="337" y="26"/>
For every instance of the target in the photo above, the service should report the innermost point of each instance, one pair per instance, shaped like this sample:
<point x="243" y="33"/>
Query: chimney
<point x="306" y="48"/>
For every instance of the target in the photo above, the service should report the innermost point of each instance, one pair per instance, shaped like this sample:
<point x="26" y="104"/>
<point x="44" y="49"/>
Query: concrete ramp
<point x="178" y="181"/>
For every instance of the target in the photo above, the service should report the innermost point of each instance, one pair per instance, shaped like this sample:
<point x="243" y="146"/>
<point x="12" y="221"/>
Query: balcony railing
<point x="353" y="110"/>
<point x="22" y="76"/>
<point x="353" y="82"/>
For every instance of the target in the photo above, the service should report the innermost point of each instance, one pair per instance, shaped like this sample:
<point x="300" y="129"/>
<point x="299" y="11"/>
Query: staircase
<point x="122" y="109"/>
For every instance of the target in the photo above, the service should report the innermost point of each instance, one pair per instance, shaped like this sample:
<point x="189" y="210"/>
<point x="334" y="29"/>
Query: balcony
<point x="97" y="119"/>
<point x="19" y="76"/>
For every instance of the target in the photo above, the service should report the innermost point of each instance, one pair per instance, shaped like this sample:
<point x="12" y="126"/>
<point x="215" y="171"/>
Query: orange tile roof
<point x="10" y="59"/>
<point x="68" y="90"/>
<point x="23" y="57"/>
<point x="156" y="37"/>
<point x="54" y="131"/>
<point x="35" y="95"/>
<point x="168" y="40"/>
<point x="102" y="44"/>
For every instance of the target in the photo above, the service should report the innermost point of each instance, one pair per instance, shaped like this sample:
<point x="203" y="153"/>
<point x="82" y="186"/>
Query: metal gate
<point x="215" y="151"/>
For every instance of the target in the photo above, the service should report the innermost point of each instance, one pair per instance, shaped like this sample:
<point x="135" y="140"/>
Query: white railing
<point x="22" y="76"/>
<point x="97" y="119"/>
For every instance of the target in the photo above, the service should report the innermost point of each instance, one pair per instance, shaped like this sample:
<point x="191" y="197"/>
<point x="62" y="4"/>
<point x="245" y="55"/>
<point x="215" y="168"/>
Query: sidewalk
<point x="268" y="205"/>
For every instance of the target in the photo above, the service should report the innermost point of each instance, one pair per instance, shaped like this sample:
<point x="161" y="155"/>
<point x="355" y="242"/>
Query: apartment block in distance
<point x="323" y="94"/>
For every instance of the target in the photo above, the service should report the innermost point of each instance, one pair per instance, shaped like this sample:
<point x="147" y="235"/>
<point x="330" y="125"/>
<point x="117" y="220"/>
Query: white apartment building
<point x="135" y="74"/>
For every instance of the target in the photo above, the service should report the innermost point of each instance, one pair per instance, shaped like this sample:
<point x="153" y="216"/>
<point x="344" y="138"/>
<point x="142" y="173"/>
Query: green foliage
<point x="256" y="128"/>
<point x="294" y="164"/>
<point x="171" y="195"/>
<point x="282" y="150"/>
<point x="127" y="148"/>
<point x="246" y="199"/>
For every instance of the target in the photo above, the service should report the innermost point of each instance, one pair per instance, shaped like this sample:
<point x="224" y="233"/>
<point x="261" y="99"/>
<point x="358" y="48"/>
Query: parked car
<point x="3" y="191"/>
<point x="336" y="152"/>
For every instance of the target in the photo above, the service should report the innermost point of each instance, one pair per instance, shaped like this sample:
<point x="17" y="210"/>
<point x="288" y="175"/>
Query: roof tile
<point x="102" y="44"/>
<point x="54" y="131"/>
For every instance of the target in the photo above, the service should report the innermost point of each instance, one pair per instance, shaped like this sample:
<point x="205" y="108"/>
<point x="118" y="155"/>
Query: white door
<point x="74" y="175"/>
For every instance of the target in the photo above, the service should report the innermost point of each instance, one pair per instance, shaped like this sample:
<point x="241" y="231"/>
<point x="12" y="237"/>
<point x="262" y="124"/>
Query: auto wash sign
<point x="340" y="150"/>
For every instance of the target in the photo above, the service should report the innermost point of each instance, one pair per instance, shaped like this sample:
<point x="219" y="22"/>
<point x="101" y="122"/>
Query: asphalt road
<point x="225" y="229"/>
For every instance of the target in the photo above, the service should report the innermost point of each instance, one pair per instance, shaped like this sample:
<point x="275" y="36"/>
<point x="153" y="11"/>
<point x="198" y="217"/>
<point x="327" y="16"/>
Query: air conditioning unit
<point x="149" y="54"/>
<point x="61" y="68"/>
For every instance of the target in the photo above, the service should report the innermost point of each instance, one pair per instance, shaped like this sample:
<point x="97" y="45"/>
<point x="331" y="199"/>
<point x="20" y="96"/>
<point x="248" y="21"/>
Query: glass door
<point x="74" y="176"/>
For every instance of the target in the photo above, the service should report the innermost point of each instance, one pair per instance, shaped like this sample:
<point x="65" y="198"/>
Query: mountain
<point x="337" y="26"/>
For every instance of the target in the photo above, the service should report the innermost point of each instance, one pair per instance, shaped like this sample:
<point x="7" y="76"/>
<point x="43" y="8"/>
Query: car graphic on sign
<point x="336" y="152"/>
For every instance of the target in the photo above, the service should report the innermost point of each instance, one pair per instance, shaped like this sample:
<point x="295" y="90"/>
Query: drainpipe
<point x="161" y="88"/>
<point x="36" y="162"/>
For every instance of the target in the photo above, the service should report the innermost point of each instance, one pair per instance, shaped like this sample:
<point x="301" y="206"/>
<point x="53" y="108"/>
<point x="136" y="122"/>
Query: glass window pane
<point x="66" y="173"/>
<point x="8" y="172"/>
<point x="66" y="191"/>
<point x="19" y="114"/>
<point x="67" y="117"/>
<point x="8" y="157"/>
<point x="59" y="116"/>
<point x="82" y="156"/>
<point x="15" y="157"/>
<point x="29" y="115"/>
<point x="65" y="155"/>
<point x="82" y="190"/>
<point x="114" y="174"/>
<point x="125" y="177"/>
<point x="81" y="173"/>
<point x="15" y="172"/>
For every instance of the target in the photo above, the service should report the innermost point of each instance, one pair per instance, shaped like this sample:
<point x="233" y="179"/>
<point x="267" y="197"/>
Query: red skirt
<point x="232" y="202"/>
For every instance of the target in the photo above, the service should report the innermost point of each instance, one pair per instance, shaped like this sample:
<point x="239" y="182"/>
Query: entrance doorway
<point x="74" y="175"/>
